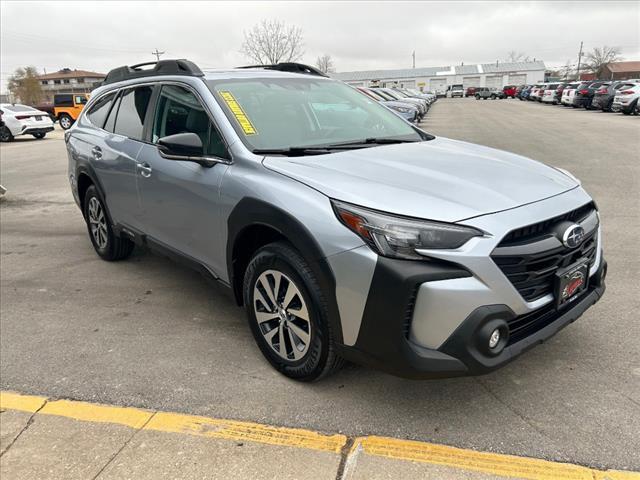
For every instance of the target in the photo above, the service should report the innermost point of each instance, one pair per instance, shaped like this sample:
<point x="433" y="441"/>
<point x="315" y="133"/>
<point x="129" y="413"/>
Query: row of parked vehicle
<point x="608" y="96"/>
<point x="408" y="103"/>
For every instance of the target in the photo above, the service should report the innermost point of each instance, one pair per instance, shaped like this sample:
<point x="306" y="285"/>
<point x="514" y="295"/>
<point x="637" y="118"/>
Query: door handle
<point x="97" y="153"/>
<point x="145" y="169"/>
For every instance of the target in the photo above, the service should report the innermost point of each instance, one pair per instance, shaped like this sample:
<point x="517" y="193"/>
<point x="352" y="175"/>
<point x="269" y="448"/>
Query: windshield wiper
<point x="329" y="148"/>
<point x="375" y="141"/>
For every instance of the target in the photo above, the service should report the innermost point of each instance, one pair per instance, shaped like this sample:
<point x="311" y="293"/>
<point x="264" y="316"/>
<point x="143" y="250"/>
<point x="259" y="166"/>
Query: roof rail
<point x="161" y="67"/>
<point x="290" y="67"/>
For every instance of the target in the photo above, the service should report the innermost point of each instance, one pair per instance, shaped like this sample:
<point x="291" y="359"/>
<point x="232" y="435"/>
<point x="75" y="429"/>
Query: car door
<point x="115" y="152"/>
<point x="179" y="198"/>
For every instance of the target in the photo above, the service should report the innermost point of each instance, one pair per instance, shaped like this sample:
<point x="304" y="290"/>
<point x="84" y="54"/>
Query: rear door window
<point x="99" y="111"/>
<point x="132" y="111"/>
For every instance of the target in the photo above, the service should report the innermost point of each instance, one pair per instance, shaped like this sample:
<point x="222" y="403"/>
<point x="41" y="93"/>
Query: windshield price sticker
<point x="241" y="117"/>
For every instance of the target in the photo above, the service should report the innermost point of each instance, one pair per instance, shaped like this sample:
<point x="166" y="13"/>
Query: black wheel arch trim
<point x="250" y="212"/>
<point x="88" y="170"/>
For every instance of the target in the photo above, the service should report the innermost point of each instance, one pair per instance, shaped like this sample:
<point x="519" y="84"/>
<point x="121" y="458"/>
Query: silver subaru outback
<point x="346" y="232"/>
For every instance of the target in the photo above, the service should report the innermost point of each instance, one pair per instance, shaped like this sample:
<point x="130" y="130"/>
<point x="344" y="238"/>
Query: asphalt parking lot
<point x="149" y="333"/>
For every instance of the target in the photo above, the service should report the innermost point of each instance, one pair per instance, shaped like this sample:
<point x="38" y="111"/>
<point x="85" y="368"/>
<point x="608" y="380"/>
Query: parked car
<point x="536" y="92"/>
<point x="334" y="222"/>
<point x="568" y="93"/>
<point x="470" y="92"/>
<point x="550" y="93"/>
<point x="405" y="110"/>
<point x="525" y="92"/>
<point x="626" y="99"/>
<point x="391" y="94"/>
<point x="509" y="91"/>
<point x="585" y="92"/>
<point x="67" y="107"/>
<point x="456" y="90"/>
<point x="411" y="92"/>
<point x="390" y="98"/>
<point x="23" y="120"/>
<point x="486" y="92"/>
<point x="603" y="97"/>
<point x="405" y="95"/>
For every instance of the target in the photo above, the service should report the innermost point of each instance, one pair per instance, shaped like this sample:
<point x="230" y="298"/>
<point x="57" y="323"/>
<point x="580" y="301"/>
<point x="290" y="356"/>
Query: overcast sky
<point x="358" y="35"/>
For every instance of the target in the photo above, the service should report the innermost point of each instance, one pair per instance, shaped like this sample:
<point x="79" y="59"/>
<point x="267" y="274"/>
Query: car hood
<point x="441" y="179"/>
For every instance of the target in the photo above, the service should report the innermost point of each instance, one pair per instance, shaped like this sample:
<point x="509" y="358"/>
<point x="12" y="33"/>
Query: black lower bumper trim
<point x="383" y="343"/>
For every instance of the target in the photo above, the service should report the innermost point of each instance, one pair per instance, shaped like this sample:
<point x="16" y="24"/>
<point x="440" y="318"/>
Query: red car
<point x="470" y="92"/>
<point x="509" y="91"/>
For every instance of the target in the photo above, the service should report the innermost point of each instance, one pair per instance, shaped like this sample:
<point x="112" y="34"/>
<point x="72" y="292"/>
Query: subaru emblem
<point x="573" y="236"/>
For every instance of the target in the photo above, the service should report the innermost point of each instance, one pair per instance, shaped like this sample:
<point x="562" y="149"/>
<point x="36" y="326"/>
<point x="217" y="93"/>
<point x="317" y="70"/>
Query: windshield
<point x="376" y="96"/>
<point x="395" y="95"/>
<point x="291" y="112"/>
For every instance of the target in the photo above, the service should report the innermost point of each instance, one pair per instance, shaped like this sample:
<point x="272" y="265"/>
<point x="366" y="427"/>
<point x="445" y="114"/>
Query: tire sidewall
<point x="107" y="251"/>
<point x="276" y="257"/>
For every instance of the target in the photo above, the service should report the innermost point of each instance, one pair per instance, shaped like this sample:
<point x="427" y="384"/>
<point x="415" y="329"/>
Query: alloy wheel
<point x="98" y="223"/>
<point x="282" y="315"/>
<point x="65" y="122"/>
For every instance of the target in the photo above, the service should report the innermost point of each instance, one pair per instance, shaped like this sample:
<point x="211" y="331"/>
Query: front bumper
<point x="384" y="342"/>
<point x="408" y="317"/>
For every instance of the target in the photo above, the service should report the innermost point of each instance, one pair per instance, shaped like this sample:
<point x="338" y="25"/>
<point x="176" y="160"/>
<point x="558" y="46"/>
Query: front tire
<point x="288" y="314"/>
<point x="106" y="244"/>
<point x="5" y="134"/>
<point x="65" y="121"/>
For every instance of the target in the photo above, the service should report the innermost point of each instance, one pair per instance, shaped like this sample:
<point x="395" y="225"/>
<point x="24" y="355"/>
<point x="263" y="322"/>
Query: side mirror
<point x="185" y="147"/>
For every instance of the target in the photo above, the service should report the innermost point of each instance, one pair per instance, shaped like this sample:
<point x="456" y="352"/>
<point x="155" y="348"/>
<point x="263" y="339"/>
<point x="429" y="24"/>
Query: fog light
<point x="494" y="339"/>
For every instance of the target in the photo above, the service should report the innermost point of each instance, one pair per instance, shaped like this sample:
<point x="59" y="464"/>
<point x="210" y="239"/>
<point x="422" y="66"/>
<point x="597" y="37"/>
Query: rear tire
<point x="631" y="109"/>
<point x="65" y="121"/>
<point x="39" y="136"/>
<point x="293" y="333"/>
<point x="106" y="243"/>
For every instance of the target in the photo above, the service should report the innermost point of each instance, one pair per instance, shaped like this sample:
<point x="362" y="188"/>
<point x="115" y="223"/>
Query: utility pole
<point x="414" y="58"/>
<point x="157" y="54"/>
<point x="579" y="59"/>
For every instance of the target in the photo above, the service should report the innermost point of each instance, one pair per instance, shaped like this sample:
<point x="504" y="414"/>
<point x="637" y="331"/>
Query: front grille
<point x="532" y="231"/>
<point x="533" y="273"/>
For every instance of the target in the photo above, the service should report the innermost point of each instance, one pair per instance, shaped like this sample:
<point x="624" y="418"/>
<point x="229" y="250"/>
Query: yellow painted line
<point x="491" y="463"/>
<point x="23" y="403"/>
<point x="92" y="412"/>
<point x="247" y="431"/>
<point x="175" y="422"/>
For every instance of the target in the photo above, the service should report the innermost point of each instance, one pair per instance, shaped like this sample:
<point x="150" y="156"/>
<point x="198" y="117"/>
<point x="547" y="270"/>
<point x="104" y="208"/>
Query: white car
<point x="23" y="120"/>
<point x="626" y="99"/>
<point x="549" y="93"/>
<point x="537" y="91"/>
<point x="568" y="93"/>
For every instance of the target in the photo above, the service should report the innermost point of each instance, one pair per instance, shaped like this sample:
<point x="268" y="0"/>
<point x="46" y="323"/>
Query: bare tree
<point x="567" y="71"/>
<point x="599" y="57"/>
<point x="25" y="86"/>
<point x="514" y="57"/>
<point x="271" y="41"/>
<point x="325" y="64"/>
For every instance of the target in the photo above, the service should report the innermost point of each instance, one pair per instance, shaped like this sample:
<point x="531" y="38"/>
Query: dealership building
<point x="437" y="79"/>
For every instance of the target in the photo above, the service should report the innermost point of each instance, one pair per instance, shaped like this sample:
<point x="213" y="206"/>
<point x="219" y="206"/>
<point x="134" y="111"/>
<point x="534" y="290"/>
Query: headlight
<point x="400" y="109"/>
<point x="400" y="237"/>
